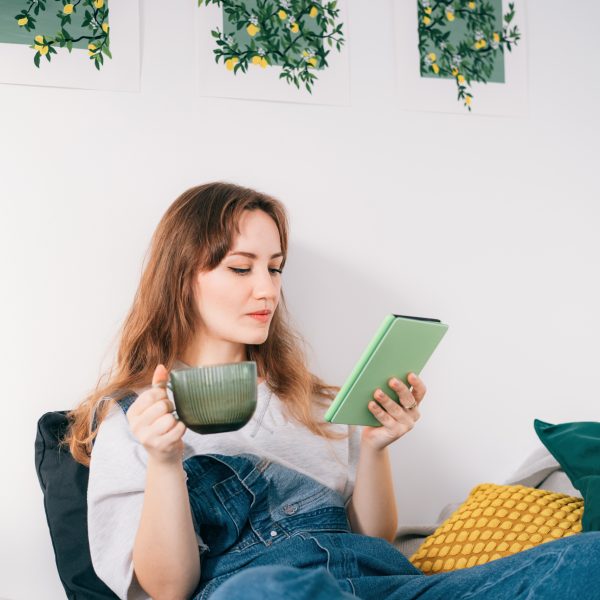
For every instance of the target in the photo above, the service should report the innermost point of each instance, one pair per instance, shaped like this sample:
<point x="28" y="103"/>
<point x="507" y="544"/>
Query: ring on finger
<point x="410" y="406"/>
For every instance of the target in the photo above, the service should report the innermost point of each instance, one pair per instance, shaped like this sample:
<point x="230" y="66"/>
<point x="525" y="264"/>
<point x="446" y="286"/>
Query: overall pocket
<point x="220" y="503"/>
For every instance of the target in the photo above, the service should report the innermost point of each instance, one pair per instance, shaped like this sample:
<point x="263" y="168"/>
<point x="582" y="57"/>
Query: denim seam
<point x="316" y="541"/>
<point x="495" y="582"/>
<point x="351" y="585"/>
<point x="557" y="564"/>
<point x="302" y="503"/>
<point x="222" y="503"/>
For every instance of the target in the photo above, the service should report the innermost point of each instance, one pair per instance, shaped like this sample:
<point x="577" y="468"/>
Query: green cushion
<point x="576" y="447"/>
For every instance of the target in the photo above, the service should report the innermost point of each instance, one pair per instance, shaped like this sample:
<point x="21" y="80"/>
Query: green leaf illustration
<point x="289" y="34"/>
<point x="89" y="18"/>
<point x="464" y="40"/>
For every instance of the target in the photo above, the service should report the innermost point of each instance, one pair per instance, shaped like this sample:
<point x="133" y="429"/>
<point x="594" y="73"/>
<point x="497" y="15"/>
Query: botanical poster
<point x="468" y="52"/>
<point x="297" y="44"/>
<point x="70" y="43"/>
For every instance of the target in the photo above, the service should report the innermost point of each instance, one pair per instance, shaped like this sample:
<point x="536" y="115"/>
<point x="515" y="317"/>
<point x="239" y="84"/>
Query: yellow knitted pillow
<point x="497" y="521"/>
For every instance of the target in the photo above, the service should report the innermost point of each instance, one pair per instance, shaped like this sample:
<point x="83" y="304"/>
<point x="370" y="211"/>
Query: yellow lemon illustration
<point x="263" y="62"/>
<point x="426" y="20"/>
<point x="231" y="62"/>
<point x="435" y="68"/>
<point x="450" y="16"/>
<point x="472" y="5"/>
<point x="68" y="9"/>
<point x="454" y="71"/>
<point x="282" y="14"/>
<point x="467" y="100"/>
<point x="428" y="10"/>
<point x="91" y="49"/>
<point x="23" y="21"/>
<point x="40" y="46"/>
<point x="105" y="27"/>
<point x="295" y="28"/>
<point x="256" y="60"/>
<point x="496" y="37"/>
<point x="98" y="3"/>
<point x="252" y="29"/>
<point x="431" y="56"/>
<point x="313" y="12"/>
<point x="313" y="61"/>
<point x="461" y="79"/>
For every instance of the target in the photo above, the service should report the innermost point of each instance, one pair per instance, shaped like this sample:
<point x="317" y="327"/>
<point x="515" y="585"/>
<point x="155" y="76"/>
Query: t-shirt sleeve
<point x="115" y="497"/>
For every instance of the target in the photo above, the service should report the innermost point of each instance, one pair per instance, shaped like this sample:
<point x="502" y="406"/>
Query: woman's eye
<point x="244" y="271"/>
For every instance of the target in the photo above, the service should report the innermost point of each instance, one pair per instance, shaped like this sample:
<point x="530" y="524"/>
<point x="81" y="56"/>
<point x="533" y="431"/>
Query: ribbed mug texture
<point x="215" y="398"/>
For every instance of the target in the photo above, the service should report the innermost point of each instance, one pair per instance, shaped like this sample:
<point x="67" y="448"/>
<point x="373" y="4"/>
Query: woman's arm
<point x="165" y="554"/>
<point x="372" y="509"/>
<point x="166" y="559"/>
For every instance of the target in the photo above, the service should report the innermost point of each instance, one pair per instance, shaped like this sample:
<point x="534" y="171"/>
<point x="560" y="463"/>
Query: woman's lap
<point x="566" y="568"/>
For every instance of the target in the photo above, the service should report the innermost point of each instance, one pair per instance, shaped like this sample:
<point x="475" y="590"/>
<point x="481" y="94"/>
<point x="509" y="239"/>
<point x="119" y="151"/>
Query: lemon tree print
<point x="293" y="35"/>
<point x="65" y="24"/>
<point x="464" y="40"/>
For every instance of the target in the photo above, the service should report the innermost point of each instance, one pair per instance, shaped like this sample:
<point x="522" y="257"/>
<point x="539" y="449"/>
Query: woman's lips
<point x="261" y="318"/>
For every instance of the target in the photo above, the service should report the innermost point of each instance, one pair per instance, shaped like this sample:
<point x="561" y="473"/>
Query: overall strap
<point x="127" y="401"/>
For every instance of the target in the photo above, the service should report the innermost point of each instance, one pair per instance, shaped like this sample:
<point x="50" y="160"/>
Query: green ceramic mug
<point x="215" y="398"/>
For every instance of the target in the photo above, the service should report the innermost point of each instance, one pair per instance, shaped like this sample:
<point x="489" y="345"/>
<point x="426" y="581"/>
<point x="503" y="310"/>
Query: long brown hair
<point x="194" y="234"/>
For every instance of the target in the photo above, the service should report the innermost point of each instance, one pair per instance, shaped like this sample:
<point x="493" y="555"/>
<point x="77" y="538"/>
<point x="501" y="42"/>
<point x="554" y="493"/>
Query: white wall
<point x="487" y="223"/>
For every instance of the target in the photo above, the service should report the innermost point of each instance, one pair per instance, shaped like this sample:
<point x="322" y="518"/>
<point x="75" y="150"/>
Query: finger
<point x="413" y="413"/>
<point x="174" y="434"/>
<point x="419" y="388"/>
<point x="381" y="415"/>
<point x="162" y="425"/>
<point x="154" y="412"/>
<point x="404" y="395"/>
<point x="403" y="416"/>
<point x="157" y="392"/>
<point x="147" y="399"/>
<point x="160" y="376"/>
<point x="390" y="406"/>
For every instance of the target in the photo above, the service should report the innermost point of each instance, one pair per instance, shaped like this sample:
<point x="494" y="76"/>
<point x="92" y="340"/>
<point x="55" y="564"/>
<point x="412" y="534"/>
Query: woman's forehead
<point x="258" y="235"/>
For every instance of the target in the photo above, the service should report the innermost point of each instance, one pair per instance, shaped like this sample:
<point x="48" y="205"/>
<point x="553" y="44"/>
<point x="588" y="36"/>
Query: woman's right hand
<point x="152" y="423"/>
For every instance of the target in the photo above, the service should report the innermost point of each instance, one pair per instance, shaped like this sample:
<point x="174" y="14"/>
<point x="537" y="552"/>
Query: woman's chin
<point x="259" y="337"/>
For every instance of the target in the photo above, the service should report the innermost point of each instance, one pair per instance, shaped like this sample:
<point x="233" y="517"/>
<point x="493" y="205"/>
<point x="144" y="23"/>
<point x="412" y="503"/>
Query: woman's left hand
<point x="396" y="419"/>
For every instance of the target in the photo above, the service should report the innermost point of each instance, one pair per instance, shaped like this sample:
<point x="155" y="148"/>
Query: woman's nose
<point x="266" y="285"/>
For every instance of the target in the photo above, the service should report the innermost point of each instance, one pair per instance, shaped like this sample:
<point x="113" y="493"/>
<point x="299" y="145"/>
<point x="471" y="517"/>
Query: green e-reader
<point x="401" y="345"/>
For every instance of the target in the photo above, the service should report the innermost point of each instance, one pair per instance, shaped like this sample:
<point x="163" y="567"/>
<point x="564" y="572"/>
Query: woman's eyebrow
<point x="251" y="255"/>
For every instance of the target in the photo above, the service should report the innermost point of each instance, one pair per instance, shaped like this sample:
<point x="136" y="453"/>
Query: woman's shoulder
<point x="114" y="434"/>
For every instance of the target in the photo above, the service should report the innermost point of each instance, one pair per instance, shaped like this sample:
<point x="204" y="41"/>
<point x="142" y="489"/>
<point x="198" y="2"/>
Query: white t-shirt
<point x="118" y="474"/>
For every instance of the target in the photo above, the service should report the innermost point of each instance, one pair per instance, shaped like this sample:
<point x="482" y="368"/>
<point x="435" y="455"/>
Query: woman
<point x="288" y="506"/>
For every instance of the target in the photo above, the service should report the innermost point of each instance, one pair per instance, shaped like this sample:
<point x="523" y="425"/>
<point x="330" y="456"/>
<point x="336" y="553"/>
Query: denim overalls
<point x="270" y="532"/>
<point x="251" y="512"/>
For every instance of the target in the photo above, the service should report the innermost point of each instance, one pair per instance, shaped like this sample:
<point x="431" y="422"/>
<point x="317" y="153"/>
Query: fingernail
<point x="395" y="381"/>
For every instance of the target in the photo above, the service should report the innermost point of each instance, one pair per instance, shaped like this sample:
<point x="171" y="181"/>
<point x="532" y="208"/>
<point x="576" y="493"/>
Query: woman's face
<point x="241" y="284"/>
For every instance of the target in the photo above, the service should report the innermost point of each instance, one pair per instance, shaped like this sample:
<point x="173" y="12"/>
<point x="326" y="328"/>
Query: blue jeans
<point x="270" y="532"/>
<point x="564" y="569"/>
